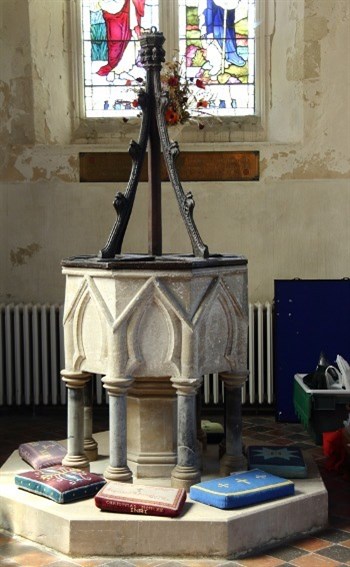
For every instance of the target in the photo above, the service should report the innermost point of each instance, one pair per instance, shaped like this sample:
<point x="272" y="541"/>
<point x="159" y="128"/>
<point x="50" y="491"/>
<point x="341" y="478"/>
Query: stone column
<point x="187" y="472"/>
<point x="201" y="434"/>
<point x="75" y="382"/>
<point x="233" y="460"/>
<point x="90" y="445"/>
<point x="117" y="391"/>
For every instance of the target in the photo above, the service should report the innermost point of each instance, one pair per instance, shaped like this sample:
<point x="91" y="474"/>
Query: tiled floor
<point x="328" y="548"/>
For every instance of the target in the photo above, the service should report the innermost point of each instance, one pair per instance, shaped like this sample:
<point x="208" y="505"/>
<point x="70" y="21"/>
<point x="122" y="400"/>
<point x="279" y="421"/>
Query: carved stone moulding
<point x="176" y="316"/>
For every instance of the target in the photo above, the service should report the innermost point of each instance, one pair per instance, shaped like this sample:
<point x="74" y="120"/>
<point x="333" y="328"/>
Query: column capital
<point x="186" y="386"/>
<point x="234" y="379"/>
<point x="74" y="379"/>
<point x="117" y="386"/>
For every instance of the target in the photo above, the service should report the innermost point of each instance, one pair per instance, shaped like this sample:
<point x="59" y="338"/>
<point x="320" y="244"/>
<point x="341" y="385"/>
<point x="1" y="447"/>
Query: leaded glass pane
<point x="217" y="45"/>
<point x="111" y="29"/>
<point x="216" y="49"/>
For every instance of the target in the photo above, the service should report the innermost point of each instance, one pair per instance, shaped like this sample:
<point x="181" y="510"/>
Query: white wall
<point x="294" y="222"/>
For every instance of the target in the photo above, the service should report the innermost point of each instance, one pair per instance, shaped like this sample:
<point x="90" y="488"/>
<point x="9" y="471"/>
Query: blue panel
<point x="310" y="316"/>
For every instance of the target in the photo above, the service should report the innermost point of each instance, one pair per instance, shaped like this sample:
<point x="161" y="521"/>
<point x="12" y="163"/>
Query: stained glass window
<point x="217" y="43"/>
<point x="216" y="50"/>
<point x="111" y="29"/>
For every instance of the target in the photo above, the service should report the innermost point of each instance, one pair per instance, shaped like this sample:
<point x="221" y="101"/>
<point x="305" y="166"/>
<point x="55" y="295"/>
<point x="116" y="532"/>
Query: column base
<point x="185" y="477"/>
<point x="121" y="474"/>
<point x="76" y="462"/>
<point x="230" y="463"/>
<point x="91" y="449"/>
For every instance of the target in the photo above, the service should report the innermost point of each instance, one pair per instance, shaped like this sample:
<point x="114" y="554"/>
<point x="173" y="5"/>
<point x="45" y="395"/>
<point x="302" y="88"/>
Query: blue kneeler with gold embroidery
<point x="283" y="461"/>
<point x="241" y="489"/>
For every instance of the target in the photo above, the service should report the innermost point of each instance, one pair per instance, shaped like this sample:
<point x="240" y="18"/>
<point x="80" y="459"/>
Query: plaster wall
<point x="293" y="222"/>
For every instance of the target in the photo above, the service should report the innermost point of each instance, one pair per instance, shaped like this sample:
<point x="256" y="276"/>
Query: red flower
<point x="171" y="117"/>
<point x="202" y="103"/>
<point x="173" y="81"/>
<point x="135" y="103"/>
<point x="200" y="84"/>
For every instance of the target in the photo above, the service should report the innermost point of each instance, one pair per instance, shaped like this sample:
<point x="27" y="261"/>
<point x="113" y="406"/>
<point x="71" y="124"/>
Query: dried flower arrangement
<point x="187" y="101"/>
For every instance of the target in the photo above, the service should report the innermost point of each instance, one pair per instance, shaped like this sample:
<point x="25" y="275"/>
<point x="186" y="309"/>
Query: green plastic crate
<point x="320" y="410"/>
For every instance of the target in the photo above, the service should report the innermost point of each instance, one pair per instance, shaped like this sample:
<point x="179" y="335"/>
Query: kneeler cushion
<point x="140" y="499"/>
<point x="241" y="489"/>
<point x="61" y="484"/>
<point x="287" y="462"/>
<point x="42" y="454"/>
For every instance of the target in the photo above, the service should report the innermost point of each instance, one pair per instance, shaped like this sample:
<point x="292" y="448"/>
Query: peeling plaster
<point x="304" y="60"/>
<point x="15" y="110"/>
<point x="22" y="255"/>
<point x="5" y="98"/>
<point x="317" y="168"/>
<point x="263" y="166"/>
<point x="291" y="164"/>
<point x="38" y="173"/>
<point x="312" y="59"/>
<point x="315" y="28"/>
<point x="314" y="100"/>
<point x="38" y="163"/>
<point x="294" y="64"/>
<point x="8" y="170"/>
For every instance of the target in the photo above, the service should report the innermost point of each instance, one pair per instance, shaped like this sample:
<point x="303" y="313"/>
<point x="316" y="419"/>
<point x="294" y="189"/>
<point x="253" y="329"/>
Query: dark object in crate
<point x="317" y="380"/>
<point x="320" y="410"/>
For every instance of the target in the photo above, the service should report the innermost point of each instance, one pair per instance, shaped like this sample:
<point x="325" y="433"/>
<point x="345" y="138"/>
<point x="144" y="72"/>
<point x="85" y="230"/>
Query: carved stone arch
<point x="238" y="356"/>
<point x="153" y="329"/>
<point x="218" y="328"/>
<point x="84" y="333"/>
<point x="229" y="309"/>
<point x="69" y="310"/>
<point x="174" y="344"/>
